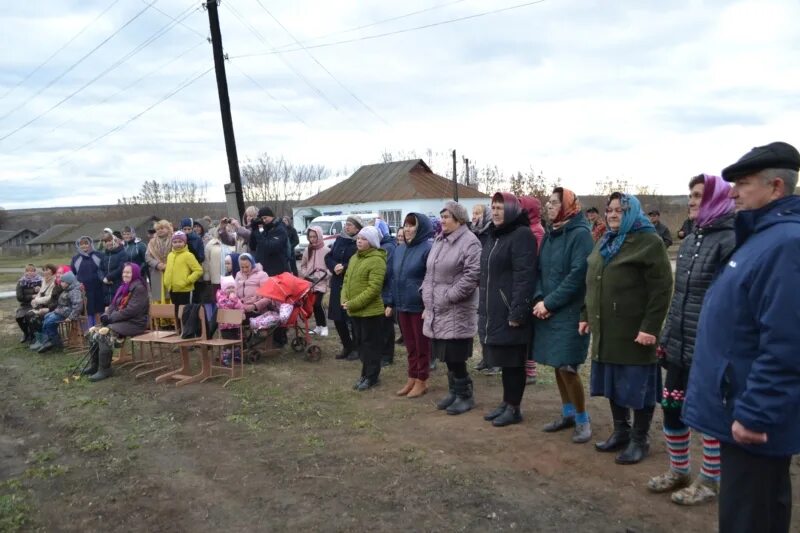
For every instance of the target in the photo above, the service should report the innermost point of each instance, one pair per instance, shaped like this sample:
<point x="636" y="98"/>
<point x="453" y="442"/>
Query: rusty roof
<point x="398" y="180"/>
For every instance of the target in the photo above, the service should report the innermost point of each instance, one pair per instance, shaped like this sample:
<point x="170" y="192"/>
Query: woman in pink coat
<point x="312" y="268"/>
<point x="248" y="280"/>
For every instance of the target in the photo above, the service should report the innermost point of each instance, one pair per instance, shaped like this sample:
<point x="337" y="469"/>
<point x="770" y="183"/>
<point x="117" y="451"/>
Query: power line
<point x="396" y="32"/>
<point x="264" y="40"/>
<point x="54" y="54"/>
<point x="183" y="85"/>
<point x="106" y="99"/>
<point x="376" y="23"/>
<point x="141" y="46"/>
<point x="257" y="84"/>
<point x="205" y="37"/>
<point x="78" y="62"/>
<point x="334" y="78"/>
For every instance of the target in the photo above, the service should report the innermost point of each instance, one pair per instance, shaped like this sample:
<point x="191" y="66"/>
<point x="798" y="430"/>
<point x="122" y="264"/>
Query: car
<point x="301" y="247"/>
<point x="332" y="225"/>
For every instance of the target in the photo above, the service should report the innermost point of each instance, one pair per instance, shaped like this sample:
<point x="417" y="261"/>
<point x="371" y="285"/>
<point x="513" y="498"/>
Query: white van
<point x="332" y="226"/>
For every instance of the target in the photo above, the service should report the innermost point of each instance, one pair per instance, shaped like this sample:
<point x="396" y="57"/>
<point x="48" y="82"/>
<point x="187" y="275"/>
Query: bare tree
<point x="267" y="180"/>
<point x="171" y="192"/>
<point x="488" y="179"/>
<point x="606" y="186"/>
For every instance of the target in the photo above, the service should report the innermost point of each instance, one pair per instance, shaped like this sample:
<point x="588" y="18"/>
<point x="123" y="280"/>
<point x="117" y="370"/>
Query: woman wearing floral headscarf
<point x="27" y="288"/>
<point x="628" y="287"/>
<point x="87" y="267"/>
<point x="703" y="251"/>
<point x="113" y="260"/>
<point x="560" y="292"/>
<point x="127" y="314"/>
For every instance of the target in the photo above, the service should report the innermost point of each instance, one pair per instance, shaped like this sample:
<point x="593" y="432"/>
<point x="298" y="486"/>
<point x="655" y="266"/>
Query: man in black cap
<point x="744" y="388"/>
<point x="661" y="229"/>
<point x="269" y="242"/>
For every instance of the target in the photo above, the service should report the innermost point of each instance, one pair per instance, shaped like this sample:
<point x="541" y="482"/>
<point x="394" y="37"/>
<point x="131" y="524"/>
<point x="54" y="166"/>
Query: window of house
<point x="393" y="217"/>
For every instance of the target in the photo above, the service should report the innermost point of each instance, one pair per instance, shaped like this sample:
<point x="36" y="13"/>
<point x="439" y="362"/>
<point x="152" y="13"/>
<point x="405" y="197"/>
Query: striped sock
<point x="710" y="468"/>
<point x="678" y="449"/>
<point x="530" y="368"/>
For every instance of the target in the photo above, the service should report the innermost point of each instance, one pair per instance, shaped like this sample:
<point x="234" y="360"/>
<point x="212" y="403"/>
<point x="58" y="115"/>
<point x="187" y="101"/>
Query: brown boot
<point x="420" y="388"/>
<point x="407" y="387"/>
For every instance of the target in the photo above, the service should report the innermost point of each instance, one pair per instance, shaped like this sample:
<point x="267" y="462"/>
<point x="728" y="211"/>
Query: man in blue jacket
<point x="744" y="388"/>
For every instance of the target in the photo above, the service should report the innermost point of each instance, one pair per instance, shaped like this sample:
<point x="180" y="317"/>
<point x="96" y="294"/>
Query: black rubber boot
<point x="104" y="353"/>
<point x="481" y="365"/>
<point x="445" y="402"/>
<point x="497" y="411"/>
<point x="465" y="400"/>
<point x="91" y="368"/>
<point x="50" y="344"/>
<point x="23" y="326"/>
<point x="622" y="430"/>
<point x="38" y="340"/>
<point x="639" y="445"/>
<point x="512" y="415"/>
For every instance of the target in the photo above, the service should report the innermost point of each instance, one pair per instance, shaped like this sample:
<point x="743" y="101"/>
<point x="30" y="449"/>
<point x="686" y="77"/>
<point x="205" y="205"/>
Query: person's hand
<point x="162" y="267"/>
<point x="540" y="311"/>
<point x="388" y="313"/>
<point x="36" y="289"/>
<point x="681" y="234"/>
<point x="742" y="435"/>
<point x="234" y="223"/>
<point x="105" y="280"/>
<point x="513" y="323"/>
<point x="645" y="339"/>
<point x="344" y="306"/>
<point x="338" y="269"/>
<point x="583" y="328"/>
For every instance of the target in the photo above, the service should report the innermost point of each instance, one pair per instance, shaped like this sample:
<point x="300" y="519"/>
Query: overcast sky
<point x="646" y="90"/>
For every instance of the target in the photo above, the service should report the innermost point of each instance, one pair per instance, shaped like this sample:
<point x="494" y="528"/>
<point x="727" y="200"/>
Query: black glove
<point x="104" y="320"/>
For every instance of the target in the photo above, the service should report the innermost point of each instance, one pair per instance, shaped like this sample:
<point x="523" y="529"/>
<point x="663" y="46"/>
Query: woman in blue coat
<point x="337" y="260"/>
<point x="87" y="265"/>
<point x="559" y="296"/>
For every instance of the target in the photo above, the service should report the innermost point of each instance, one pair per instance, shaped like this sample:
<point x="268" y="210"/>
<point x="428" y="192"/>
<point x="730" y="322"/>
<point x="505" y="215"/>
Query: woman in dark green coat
<point x="560" y="292"/>
<point x="628" y="289"/>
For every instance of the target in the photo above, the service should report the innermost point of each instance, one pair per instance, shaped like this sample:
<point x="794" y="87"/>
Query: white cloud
<point x="579" y="89"/>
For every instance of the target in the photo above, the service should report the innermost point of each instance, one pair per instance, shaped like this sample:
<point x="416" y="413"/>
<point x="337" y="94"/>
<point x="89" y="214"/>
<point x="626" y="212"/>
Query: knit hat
<point x="458" y="211"/>
<point x="383" y="227"/>
<point x="356" y="221"/>
<point x="266" y="211"/>
<point x="226" y="282"/>
<point x="68" y="278"/>
<point x="108" y="230"/>
<point x="773" y="155"/>
<point x="247" y="257"/>
<point x="179" y="236"/>
<point x="187" y="223"/>
<point x="372" y="235"/>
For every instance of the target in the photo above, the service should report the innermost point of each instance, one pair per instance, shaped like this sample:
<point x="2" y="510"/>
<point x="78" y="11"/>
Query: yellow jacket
<point x="182" y="271"/>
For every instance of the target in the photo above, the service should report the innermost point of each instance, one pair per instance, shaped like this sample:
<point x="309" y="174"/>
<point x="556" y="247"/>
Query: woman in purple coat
<point x="87" y="265"/>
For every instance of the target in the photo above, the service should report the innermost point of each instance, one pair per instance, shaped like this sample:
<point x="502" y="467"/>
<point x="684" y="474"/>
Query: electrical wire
<point x="79" y="61"/>
<point x="54" y="54"/>
<point x="264" y="40"/>
<point x="323" y="67"/>
<point x="396" y="32"/>
<point x="141" y="46"/>
<point x="257" y="84"/>
<point x="110" y="97"/>
<point x="205" y="37"/>
<point x="183" y="85"/>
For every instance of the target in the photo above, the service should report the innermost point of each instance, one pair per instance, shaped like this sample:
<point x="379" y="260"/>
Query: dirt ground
<point x="292" y="447"/>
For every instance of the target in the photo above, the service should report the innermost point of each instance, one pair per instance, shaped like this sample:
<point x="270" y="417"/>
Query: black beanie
<point x="265" y="212"/>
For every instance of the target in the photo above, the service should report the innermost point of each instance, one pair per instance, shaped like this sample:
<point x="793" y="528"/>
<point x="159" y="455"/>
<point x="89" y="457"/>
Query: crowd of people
<point x="714" y="345"/>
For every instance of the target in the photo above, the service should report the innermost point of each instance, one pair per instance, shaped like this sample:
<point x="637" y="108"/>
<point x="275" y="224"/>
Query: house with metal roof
<point x="15" y="240"/>
<point x="61" y="238"/>
<point x="391" y="190"/>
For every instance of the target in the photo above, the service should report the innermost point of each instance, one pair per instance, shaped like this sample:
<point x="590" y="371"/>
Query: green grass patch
<point x="14" y="512"/>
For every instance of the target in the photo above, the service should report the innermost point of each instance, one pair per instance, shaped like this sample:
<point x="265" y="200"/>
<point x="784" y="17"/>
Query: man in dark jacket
<point x="269" y="242"/>
<point x="193" y="240"/>
<point x="744" y="388"/>
<point x="294" y="240"/>
<point x="661" y="229"/>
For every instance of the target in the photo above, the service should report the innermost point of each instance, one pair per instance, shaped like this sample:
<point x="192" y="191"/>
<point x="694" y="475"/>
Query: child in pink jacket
<point x="227" y="299"/>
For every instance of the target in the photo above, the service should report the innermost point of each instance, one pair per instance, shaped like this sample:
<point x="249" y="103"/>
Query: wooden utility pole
<point x="225" y="107"/>
<point x="455" y="178"/>
<point x="466" y="171"/>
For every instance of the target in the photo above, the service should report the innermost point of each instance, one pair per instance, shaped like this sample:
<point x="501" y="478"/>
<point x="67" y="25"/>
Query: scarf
<point x="570" y="206"/>
<point x="320" y="240"/>
<point x="30" y="280"/>
<point x="159" y="248"/>
<point x="715" y="203"/>
<point x="486" y="218"/>
<point x="533" y="207"/>
<point x="511" y="206"/>
<point x="234" y="264"/>
<point x="633" y="220"/>
<point x="123" y="293"/>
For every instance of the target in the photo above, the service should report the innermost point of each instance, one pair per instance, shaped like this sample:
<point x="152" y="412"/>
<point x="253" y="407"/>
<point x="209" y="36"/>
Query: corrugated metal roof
<point x="399" y="180"/>
<point x="69" y="233"/>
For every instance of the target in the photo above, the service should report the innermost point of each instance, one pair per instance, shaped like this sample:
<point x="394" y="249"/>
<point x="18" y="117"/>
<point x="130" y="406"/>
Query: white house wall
<point x="427" y="207"/>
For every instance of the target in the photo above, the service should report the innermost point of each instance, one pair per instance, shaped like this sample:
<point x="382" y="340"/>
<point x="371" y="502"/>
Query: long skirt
<point x="631" y="386"/>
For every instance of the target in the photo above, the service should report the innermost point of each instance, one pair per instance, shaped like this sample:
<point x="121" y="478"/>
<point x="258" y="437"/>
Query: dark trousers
<point x="417" y="345"/>
<point x="513" y="384"/>
<point x="755" y="492"/>
<point x="370" y="336"/>
<point x="343" y="329"/>
<point x="319" y="312"/>
<point x="179" y="299"/>
<point x="387" y="349"/>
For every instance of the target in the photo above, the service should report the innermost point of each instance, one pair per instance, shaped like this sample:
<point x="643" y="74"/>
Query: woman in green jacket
<point x="628" y="289"/>
<point x="361" y="298"/>
<point x="560" y="292"/>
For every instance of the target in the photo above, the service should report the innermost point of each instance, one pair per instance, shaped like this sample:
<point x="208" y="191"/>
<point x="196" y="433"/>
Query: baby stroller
<point x="298" y="292"/>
